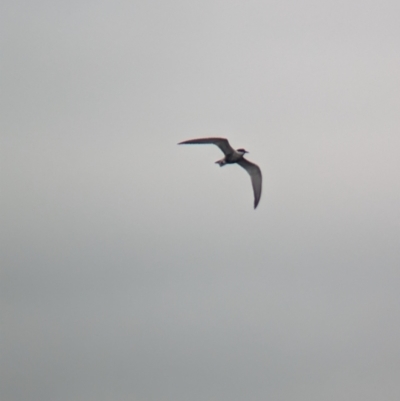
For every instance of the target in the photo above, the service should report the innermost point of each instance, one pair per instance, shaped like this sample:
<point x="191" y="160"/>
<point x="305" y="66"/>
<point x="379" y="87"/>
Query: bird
<point x="233" y="156"/>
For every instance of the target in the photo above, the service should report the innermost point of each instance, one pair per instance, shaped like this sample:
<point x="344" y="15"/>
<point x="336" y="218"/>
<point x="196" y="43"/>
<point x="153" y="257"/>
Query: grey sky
<point x="136" y="269"/>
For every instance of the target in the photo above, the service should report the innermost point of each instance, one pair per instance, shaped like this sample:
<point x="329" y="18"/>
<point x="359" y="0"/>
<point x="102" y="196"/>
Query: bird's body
<point x="233" y="156"/>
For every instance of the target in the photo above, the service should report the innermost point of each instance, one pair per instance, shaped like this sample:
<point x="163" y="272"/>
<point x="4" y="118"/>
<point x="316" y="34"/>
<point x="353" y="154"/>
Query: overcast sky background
<point x="136" y="269"/>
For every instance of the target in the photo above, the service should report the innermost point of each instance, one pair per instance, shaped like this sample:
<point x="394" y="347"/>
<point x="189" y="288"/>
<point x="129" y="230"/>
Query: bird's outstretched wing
<point x="222" y="143"/>
<point x="256" y="178"/>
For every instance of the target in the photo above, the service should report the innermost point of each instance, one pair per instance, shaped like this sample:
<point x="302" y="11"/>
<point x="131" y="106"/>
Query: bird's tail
<point x="221" y="162"/>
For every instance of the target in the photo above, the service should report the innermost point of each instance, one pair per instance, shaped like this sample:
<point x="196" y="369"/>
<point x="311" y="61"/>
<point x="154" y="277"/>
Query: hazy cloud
<point x="135" y="269"/>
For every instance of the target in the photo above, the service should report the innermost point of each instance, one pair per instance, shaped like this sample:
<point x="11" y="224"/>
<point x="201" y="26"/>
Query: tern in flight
<point x="234" y="156"/>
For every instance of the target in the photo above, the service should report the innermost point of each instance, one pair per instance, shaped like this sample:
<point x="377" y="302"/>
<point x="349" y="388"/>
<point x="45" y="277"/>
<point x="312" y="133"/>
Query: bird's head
<point x="242" y="151"/>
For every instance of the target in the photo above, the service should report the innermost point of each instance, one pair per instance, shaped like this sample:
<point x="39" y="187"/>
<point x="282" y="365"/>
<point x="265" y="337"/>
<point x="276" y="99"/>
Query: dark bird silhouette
<point x="233" y="156"/>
